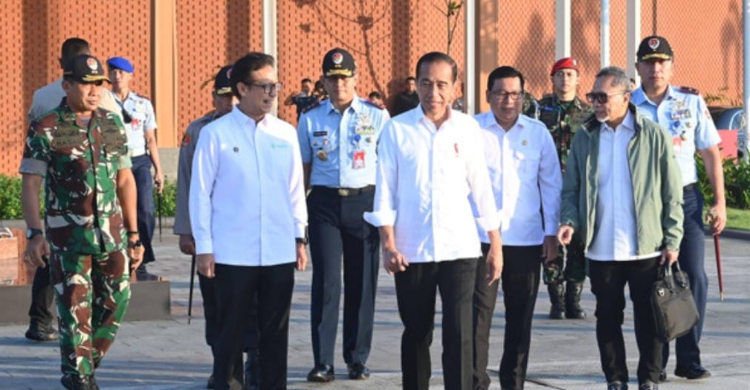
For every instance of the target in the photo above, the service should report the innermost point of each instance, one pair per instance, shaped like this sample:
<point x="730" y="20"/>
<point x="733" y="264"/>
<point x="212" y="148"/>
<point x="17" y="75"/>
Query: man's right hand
<point x="187" y="244"/>
<point x="565" y="234"/>
<point x="36" y="248"/>
<point x="206" y="265"/>
<point x="394" y="261"/>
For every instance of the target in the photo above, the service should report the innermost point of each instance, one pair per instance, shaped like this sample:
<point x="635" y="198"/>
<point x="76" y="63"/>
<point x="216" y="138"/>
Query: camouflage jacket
<point x="80" y="168"/>
<point x="530" y="106"/>
<point x="563" y="121"/>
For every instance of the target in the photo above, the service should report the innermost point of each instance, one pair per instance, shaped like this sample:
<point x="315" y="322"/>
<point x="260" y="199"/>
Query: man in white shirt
<point x="525" y="175"/>
<point x="622" y="190"/>
<point x="247" y="209"/>
<point x="429" y="160"/>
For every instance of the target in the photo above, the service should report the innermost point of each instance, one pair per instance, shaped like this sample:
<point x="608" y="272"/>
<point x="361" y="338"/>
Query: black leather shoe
<point x="358" y="371"/>
<point x="663" y="376"/>
<point x="692" y="372"/>
<point x="93" y="385"/>
<point x="41" y="332"/>
<point x="76" y="382"/>
<point x="617" y="385"/>
<point x="210" y="382"/>
<point x="321" y="373"/>
<point x="252" y="370"/>
<point x="648" y="385"/>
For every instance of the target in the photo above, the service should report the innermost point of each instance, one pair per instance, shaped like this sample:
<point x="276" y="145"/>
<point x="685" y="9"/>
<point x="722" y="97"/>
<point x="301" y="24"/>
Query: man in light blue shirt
<point x="337" y="139"/>
<point x="683" y="112"/>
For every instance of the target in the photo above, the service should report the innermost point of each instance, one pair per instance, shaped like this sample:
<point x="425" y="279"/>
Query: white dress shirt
<point x="615" y="227"/>
<point x="424" y="178"/>
<point x="526" y="179"/>
<point x="247" y="197"/>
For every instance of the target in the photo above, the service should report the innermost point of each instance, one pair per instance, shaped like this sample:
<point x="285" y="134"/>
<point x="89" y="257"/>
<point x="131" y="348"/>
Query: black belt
<point x="688" y="187"/>
<point x="345" y="191"/>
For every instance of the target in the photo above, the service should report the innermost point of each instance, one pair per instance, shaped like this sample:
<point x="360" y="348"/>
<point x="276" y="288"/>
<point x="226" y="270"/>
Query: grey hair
<point x="619" y="77"/>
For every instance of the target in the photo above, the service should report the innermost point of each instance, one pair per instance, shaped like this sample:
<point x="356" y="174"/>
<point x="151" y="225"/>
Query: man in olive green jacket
<point x="622" y="191"/>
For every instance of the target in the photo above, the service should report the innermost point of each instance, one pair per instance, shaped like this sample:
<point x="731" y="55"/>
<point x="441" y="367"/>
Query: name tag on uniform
<point x="677" y="145"/>
<point x="359" y="159"/>
<point x="320" y="133"/>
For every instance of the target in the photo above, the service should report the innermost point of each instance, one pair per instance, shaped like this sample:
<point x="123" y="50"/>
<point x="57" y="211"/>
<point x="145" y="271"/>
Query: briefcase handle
<point x="665" y="272"/>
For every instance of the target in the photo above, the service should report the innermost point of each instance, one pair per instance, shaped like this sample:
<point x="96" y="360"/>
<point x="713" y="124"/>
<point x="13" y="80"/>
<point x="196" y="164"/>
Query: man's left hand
<point x="158" y="181"/>
<point x="301" y="257"/>
<point x="135" y="254"/>
<point x="667" y="255"/>
<point x="494" y="263"/>
<point x="717" y="217"/>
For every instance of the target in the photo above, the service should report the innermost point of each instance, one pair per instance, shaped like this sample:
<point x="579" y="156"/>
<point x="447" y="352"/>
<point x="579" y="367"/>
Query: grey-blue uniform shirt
<point x="684" y="114"/>
<point x="184" y="173"/>
<point x="341" y="146"/>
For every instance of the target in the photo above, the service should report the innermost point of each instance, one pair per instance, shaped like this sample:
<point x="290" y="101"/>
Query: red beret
<point x="564" y="63"/>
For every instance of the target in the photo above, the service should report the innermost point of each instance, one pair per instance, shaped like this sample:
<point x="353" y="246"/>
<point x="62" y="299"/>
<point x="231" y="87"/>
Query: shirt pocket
<point x="527" y="164"/>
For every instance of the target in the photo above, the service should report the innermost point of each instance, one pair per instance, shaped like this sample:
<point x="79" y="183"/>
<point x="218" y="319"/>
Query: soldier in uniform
<point x="79" y="152"/>
<point x="46" y="99"/>
<point x="563" y="112"/>
<point x="224" y="101"/>
<point x="143" y="152"/>
<point x="337" y="138"/>
<point x="683" y="112"/>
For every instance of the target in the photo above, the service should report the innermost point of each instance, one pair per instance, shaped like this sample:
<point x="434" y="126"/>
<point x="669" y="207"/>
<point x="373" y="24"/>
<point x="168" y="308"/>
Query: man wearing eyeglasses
<point x="622" y="193"/>
<point x="563" y="112"/>
<point x="251" y="243"/>
<point x="338" y="137"/>
<point x="525" y="176"/>
<point x="683" y="112"/>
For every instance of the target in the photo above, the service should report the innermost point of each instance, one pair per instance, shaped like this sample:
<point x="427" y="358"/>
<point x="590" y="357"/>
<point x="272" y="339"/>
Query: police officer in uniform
<point x="79" y="153"/>
<point x="338" y="138"/>
<point x="143" y="152"/>
<point x="563" y="112"/>
<point x="683" y="112"/>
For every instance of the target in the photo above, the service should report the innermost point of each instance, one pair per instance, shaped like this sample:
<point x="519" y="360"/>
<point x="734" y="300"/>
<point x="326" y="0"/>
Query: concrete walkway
<point x="161" y="355"/>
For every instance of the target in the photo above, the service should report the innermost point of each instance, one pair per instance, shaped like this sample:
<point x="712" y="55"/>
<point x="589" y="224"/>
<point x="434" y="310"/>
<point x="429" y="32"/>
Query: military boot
<point x="76" y="382"/>
<point x="556" y="294"/>
<point x="573" y="308"/>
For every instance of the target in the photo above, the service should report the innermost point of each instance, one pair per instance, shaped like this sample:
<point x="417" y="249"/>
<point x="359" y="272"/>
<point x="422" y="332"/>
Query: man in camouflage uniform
<point x="563" y="112"/>
<point x="80" y="152"/>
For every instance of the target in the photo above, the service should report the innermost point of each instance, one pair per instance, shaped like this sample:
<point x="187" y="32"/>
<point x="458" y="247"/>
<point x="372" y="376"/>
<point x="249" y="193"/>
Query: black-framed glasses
<point x="601" y="97"/>
<point x="504" y="95"/>
<point x="267" y="88"/>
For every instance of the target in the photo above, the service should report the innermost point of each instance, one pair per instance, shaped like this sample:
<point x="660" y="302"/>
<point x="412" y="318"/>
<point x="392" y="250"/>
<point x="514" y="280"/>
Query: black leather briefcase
<point x="672" y="301"/>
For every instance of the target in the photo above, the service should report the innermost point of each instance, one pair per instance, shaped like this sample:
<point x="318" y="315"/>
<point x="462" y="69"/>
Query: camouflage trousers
<point x="575" y="265"/>
<point x="92" y="294"/>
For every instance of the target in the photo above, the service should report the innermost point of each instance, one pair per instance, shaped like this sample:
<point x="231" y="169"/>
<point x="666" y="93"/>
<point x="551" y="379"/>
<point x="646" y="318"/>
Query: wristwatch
<point x="299" y="240"/>
<point x="134" y="244"/>
<point x="31" y="232"/>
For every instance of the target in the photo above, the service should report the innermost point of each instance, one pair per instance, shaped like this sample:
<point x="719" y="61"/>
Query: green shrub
<point x="10" y="198"/>
<point x="736" y="183"/>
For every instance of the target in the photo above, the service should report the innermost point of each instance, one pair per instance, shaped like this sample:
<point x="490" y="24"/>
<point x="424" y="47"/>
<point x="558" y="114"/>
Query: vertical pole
<point x="605" y="34"/>
<point x="562" y="28"/>
<point x="634" y="37"/>
<point x="471" y="31"/>
<point x="746" y="66"/>
<point x="270" y="44"/>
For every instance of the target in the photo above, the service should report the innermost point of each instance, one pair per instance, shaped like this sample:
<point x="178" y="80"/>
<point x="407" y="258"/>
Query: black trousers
<point x="521" y="274"/>
<point x="210" y="312"/>
<point x="483" y="307"/>
<point x="42" y="297"/>
<point x="608" y="279"/>
<point x="236" y="287"/>
<point x="337" y="228"/>
<point x="415" y="292"/>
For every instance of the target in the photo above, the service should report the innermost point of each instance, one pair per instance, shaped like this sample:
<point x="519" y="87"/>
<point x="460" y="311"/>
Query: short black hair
<point x="71" y="48"/>
<point x="246" y="65"/>
<point x="306" y="80"/>
<point x="505" y="72"/>
<point x="375" y="95"/>
<point x="437" y="56"/>
<point x="411" y="78"/>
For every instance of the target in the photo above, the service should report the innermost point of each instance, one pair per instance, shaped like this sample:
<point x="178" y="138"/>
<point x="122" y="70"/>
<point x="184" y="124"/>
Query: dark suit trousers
<point x="521" y="273"/>
<point x="484" y="300"/>
<point x="415" y="292"/>
<point x="236" y="288"/>
<point x="336" y="228"/>
<point x="608" y="279"/>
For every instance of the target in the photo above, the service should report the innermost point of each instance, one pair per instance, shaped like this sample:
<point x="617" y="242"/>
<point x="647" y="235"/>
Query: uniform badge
<point x="653" y="43"/>
<point x="684" y="136"/>
<point x="455" y="148"/>
<point x="358" y="162"/>
<point x="322" y="155"/>
<point x="315" y="144"/>
<point x="364" y="125"/>
<point x="92" y="64"/>
<point x="337" y="58"/>
<point x="236" y="149"/>
<point x="186" y="139"/>
<point x="524" y="142"/>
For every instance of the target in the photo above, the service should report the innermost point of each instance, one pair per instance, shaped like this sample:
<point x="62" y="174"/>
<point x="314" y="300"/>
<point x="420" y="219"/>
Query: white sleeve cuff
<point x="299" y="230"/>
<point x="490" y="222"/>
<point x="381" y="218"/>
<point x="203" y="247"/>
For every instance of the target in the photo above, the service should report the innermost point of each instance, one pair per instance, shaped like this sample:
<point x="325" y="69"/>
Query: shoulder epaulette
<point x="689" y="90"/>
<point x="310" y="107"/>
<point x="141" y="96"/>
<point x="374" y="104"/>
